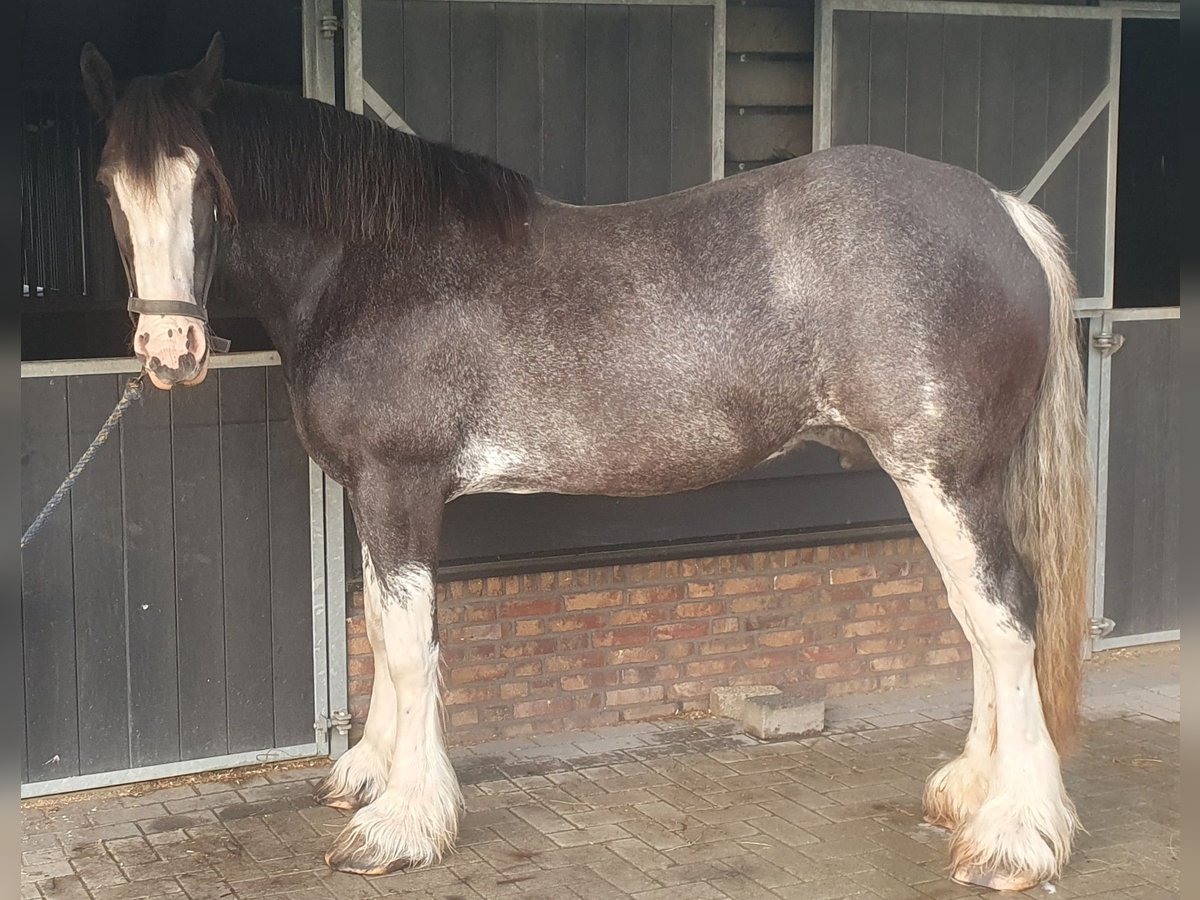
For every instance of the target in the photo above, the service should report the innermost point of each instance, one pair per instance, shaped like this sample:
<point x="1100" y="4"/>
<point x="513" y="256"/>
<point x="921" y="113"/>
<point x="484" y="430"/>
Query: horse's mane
<point x="296" y="160"/>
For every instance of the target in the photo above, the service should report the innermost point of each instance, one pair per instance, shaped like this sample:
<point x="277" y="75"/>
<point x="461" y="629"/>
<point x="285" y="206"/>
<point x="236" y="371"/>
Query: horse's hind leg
<point x="1013" y="820"/>
<point x="414" y="819"/>
<point x="955" y="791"/>
<point x="360" y="774"/>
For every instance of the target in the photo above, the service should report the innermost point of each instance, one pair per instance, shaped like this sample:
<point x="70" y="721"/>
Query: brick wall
<point x="529" y="654"/>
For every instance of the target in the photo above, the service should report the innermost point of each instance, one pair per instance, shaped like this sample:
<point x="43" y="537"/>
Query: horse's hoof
<point x="363" y="863"/>
<point x="344" y="803"/>
<point x="995" y="881"/>
<point x="355" y="780"/>
<point x="327" y="794"/>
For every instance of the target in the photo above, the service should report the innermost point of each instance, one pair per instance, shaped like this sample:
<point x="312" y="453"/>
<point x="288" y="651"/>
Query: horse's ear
<point x="97" y="81"/>
<point x="204" y="78"/>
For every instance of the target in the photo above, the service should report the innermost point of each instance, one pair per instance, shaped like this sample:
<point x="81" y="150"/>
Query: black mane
<point x="297" y="160"/>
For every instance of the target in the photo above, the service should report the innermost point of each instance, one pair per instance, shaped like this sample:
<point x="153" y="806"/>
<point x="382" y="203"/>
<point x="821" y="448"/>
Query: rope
<point x="133" y="391"/>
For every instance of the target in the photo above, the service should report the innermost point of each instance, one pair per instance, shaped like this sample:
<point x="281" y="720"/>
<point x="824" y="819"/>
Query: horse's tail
<point x="1048" y="493"/>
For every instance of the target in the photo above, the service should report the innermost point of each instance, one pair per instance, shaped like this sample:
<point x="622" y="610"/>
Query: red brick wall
<point x="538" y="653"/>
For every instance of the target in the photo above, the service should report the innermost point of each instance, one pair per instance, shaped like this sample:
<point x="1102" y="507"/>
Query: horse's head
<point x="169" y="201"/>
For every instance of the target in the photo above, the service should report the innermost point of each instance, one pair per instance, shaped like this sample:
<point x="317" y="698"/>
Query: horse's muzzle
<point x="187" y="371"/>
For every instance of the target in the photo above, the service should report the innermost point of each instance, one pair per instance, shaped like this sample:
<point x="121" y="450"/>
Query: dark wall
<point x="1149" y="195"/>
<point x="139" y="37"/>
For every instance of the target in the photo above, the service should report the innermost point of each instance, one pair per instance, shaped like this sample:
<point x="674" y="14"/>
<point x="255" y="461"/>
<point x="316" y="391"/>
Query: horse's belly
<point x="616" y="469"/>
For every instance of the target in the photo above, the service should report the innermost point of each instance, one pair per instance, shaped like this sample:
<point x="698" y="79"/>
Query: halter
<point x="189" y="308"/>
<point x="178" y="308"/>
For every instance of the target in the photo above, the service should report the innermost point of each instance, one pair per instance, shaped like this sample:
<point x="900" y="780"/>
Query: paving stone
<point x="63" y="887"/>
<point x="158" y="795"/>
<point x="822" y="889"/>
<point x="690" y="891"/>
<point x="137" y="890"/>
<point x="98" y="871"/>
<point x="80" y="837"/>
<point x="178" y="822"/>
<point x="131" y="851"/>
<point x="204" y="886"/>
<point x="203" y="801"/>
<point x="110" y="815"/>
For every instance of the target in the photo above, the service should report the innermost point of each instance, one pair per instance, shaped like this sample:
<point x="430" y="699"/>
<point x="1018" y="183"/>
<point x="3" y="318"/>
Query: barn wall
<point x="768" y="82"/>
<point x="535" y="654"/>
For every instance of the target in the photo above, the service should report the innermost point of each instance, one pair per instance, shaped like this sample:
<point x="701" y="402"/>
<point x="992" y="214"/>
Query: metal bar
<point x="352" y="30"/>
<point x="320" y="618"/>
<point x="1090" y="304"/>
<point x="967" y="8"/>
<point x="382" y="108"/>
<point x="1143" y="9"/>
<point x="823" y="77"/>
<point x="718" y="91"/>
<point x="319" y="76"/>
<point x="335" y="604"/>
<point x="1100" y="323"/>
<point x="166" y="770"/>
<point x="52" y="368"/>
<point x="1144" y="314"/>
<point x="1095" y="599"/>
<point x="1135" y="640"/>
<point x="588" y="2"/>
<point x="1068" y="143"/>
<point x="1110" y="205"/>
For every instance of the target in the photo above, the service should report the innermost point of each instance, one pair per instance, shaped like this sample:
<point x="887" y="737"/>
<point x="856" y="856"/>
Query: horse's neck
<point x="280" y="274"/>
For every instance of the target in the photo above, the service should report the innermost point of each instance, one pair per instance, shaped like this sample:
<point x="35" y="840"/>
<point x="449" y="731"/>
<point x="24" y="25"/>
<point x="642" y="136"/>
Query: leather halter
<point x="179" y="308"/>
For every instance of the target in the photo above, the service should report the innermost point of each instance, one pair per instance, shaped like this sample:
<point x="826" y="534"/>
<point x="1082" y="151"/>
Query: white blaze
<point x="161" y="237"/>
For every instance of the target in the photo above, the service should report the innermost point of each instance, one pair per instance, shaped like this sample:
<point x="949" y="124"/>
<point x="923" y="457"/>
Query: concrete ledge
<point x="730" y="702"/>
<point x="779" y="716"/>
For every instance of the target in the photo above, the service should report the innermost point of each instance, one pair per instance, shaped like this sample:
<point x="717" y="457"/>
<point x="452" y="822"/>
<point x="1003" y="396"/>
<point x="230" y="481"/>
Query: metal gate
<point x="1027" y="96"/>
<point x="1024" y="95"/>
<point x="170" y="620"/>
<point x="1135" y="353"/>
<point x="596" y="102"/>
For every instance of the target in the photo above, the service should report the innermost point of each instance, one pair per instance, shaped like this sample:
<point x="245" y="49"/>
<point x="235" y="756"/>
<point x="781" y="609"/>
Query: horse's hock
<point x="540" y="653"/>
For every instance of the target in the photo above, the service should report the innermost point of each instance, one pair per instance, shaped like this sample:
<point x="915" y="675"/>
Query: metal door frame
<point x="1100" y="370"/>
<point x="359" y="92"/>
<point x="1108" y="98"/>
<point x="323" y="663"/>
<point x="327" y="499"/>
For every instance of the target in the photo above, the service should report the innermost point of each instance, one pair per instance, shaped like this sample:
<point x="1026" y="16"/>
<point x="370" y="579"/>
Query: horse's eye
<point x="104" y="190"/>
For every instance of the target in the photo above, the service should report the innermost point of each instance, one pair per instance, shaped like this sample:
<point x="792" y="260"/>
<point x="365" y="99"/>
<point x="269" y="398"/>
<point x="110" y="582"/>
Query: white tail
<point x="1048" y="494"/>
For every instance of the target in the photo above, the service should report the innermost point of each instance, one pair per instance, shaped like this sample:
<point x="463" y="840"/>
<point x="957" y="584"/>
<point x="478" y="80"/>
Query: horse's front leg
<point x="414" y="819"/>
<point x="361" y="773"/>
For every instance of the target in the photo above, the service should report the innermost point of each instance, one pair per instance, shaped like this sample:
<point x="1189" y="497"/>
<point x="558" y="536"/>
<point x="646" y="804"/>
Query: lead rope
<point x="133" y="391"/>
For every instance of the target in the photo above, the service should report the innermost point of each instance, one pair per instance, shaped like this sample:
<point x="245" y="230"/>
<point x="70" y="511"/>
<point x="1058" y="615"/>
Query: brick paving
<point x="654" y="810"/>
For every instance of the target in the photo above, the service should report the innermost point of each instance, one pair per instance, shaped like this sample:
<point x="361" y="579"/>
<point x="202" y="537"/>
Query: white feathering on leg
<point x="415" y="820"/>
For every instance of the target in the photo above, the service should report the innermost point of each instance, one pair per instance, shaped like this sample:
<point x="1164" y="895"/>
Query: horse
<point x="445" y="329"/>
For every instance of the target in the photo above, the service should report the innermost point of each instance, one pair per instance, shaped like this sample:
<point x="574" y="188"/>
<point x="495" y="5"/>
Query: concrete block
<point x="729" y="702"/>
<point x="781" y="716"/>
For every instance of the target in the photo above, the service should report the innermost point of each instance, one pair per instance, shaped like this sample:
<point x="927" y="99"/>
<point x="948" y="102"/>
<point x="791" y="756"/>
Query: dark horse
<point x="445" y="329"/>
